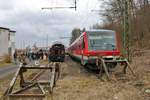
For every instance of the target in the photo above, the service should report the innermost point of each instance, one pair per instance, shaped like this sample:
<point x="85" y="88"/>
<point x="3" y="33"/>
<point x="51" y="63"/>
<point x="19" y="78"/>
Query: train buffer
<point x="34" y="88"/>
<point x="102" y="64"/>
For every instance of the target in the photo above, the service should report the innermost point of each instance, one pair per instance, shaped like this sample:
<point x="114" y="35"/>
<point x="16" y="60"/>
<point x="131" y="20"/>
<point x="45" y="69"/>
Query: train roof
<point x="92" y="30"/>
<point x="57" y="43"/>
<point x="99" y="30"/>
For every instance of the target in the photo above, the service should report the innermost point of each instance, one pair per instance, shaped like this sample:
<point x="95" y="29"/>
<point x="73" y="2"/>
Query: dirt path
<point x="4" y="71"/>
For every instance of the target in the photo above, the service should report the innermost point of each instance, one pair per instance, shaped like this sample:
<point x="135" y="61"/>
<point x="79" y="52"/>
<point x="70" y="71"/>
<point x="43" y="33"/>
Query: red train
<point x="94" y="43"/>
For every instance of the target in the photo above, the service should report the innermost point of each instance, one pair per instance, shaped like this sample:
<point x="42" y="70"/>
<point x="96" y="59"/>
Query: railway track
<point x="34" y="87"/>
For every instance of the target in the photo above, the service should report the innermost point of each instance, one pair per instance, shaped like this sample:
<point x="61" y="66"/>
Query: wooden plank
<point x="26" y="95"/>
<point x="17" y="94"/>
<point x="41" y="88"/>
<point x="9" y="89"/>
<point x="37" y="75"/>
<point x="25" y="88"/>
<point x="40" y="82"/>
<point x="36" y="67"/>
<point x="52" y="77"/>
<point x="105" y="68"/>
<point x="129" y="66"/>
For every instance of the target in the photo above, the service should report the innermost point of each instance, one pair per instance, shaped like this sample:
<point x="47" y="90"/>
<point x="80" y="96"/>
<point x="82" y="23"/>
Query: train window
<point x="101" y="40"/>
<point x="83" y="44"/>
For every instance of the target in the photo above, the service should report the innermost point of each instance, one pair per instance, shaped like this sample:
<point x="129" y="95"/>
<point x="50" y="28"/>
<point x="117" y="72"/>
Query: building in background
<point x="11" y="48"/>
<point x="7" y="42"/>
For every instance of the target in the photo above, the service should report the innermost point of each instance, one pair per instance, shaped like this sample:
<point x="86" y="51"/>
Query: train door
<point x="82" y="51"/>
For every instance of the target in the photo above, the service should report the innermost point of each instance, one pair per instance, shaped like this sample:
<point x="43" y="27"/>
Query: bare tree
<point x="131" y="18"/>
<point x="75" y="34"/>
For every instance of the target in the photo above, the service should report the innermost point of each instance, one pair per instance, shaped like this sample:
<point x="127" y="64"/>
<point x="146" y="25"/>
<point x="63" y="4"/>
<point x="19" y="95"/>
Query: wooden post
<point x="129" y="66"/>
<point x="102" y="65"/>
<point x="10" y="88"/>
<point x="21" y="78"/>
<point x="105" y="68"/>
<point x="52" y="77"/>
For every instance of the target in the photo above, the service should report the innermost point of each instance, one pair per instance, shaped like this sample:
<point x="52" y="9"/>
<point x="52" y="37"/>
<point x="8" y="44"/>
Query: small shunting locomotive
<point x="57" y="52"/>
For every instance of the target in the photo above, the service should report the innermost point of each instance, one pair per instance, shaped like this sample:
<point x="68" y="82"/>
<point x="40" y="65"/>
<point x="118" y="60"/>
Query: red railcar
<point x="93" y="43"/>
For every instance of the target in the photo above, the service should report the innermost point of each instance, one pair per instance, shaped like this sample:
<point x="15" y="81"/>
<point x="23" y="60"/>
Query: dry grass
<point x="79" y="85"/>
<point x="6" y="61"/>
<point x="4" y="83"/>
<point x="7" y="58"/>
<point x="2" y="64"/>
<point x="91" y="89"/>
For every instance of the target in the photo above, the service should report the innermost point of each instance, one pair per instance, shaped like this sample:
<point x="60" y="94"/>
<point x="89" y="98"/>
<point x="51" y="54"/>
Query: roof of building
<point x="8" y="29"/>
<point x="4" y="28"/>
<point x="12" y="31"/>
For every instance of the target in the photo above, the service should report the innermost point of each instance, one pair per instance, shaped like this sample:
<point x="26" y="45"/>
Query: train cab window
<point x="101" y="40"/>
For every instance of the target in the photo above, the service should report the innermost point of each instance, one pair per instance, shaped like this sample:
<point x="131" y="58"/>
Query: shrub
<point x="7" y="58"/>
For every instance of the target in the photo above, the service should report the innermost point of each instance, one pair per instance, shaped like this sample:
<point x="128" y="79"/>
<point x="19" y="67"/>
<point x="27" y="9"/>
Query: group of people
<point x="39" y="55"/>
<point x="31" y="55"/>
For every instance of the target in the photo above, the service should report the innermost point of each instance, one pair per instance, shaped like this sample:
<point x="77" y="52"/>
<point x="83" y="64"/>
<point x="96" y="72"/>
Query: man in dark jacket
<point x="15" y="57"/>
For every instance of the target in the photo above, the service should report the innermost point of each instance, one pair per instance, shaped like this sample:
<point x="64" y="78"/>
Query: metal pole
<point x="126" y="28"/>
<point x="47" y="40"/>
<point x="75" y="5"/>
<point x="72" y="7"/>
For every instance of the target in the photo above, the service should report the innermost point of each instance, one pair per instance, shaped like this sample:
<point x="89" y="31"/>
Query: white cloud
<point x="33" y="24"/>
<point x="4" y="5"/>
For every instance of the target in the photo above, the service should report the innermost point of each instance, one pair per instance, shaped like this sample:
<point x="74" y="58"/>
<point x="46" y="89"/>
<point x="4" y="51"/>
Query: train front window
<point x="101" y="40"/>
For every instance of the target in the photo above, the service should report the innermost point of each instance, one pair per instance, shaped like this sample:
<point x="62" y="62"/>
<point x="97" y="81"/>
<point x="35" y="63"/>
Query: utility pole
<point x="47" y="40"/>
<point x="23" y="44"/>
<point x="126" y="36"/>
<point x="75" y="5"/>
<point x="71" y="7"/>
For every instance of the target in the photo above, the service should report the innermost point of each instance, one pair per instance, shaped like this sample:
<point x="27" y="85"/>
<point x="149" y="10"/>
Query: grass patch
<point x="2" y="64"/>
<point x="7" y="58"/>
<point x="4" y="83"/>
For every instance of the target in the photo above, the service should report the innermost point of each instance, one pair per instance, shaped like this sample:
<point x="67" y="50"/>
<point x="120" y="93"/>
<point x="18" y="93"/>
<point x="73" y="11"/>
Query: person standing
<point x="15" y="57"/>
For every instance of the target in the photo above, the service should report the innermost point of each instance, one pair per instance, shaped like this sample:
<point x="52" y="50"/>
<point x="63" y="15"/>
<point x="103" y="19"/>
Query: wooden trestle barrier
<point x="103" y="66"/>
<point x="9" y="94"/>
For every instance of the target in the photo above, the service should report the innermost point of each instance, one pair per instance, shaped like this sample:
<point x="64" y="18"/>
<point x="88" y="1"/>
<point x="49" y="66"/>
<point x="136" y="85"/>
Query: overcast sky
<point x="33" y="24"/>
